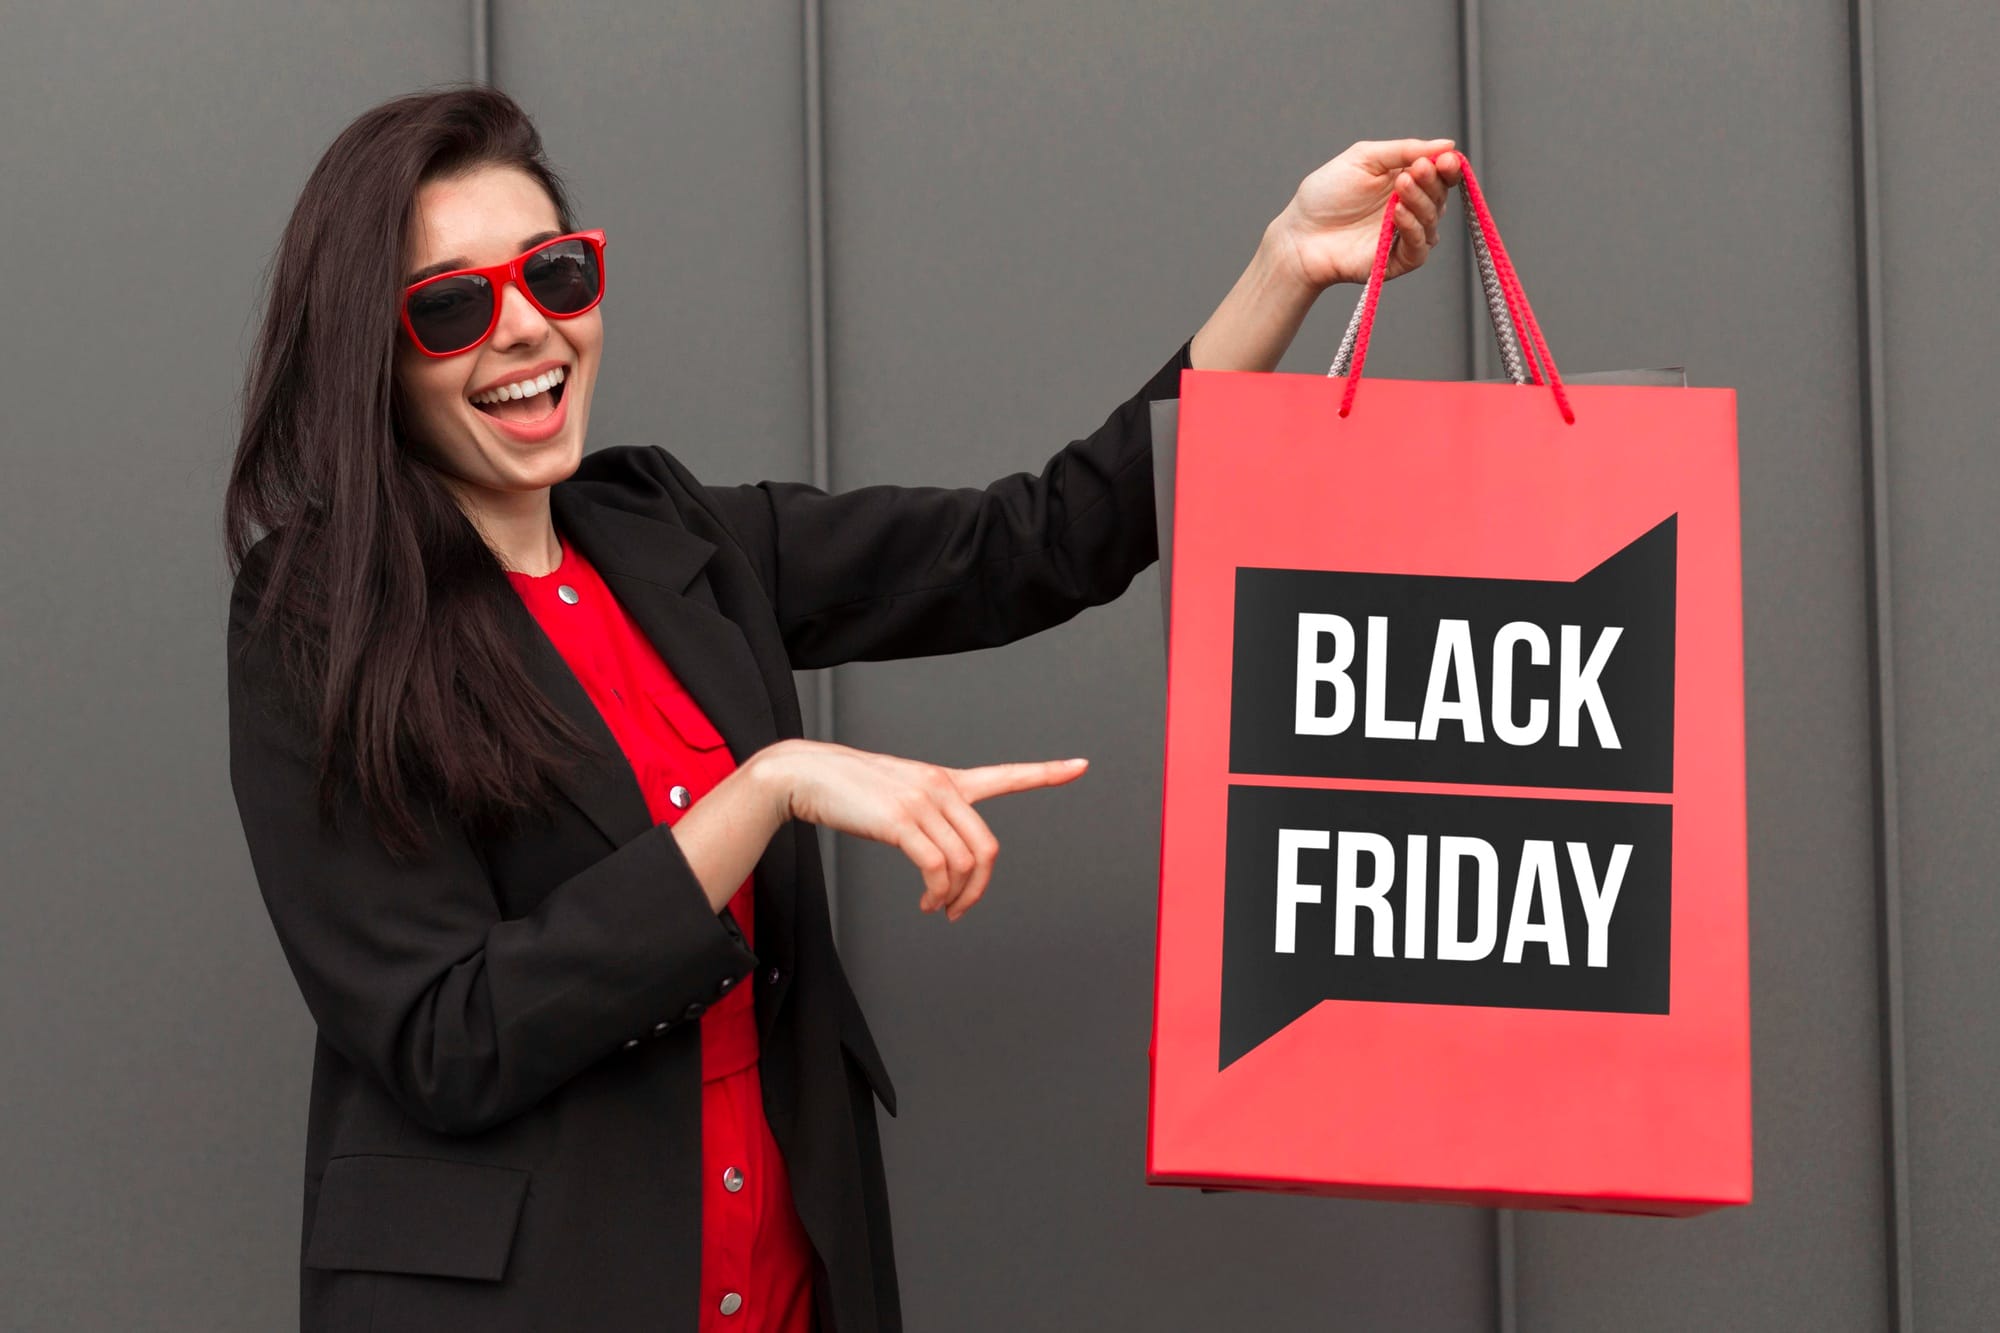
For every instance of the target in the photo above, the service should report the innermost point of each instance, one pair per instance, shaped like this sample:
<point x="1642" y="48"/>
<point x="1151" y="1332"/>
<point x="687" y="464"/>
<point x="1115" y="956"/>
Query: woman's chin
<point x="557" y="451"/>
<point x="535" y="467"/>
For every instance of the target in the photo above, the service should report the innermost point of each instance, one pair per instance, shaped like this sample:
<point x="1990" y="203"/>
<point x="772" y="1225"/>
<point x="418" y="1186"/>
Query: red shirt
<point x="756" y="1262"/>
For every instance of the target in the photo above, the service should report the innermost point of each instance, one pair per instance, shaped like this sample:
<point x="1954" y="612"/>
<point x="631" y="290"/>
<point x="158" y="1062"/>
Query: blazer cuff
<point x="1166" y="381"/>
<point x="661" y="953"/>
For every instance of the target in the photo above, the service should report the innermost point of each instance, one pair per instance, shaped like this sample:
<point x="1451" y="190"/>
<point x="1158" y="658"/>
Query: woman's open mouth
<point x="529" y="411"/>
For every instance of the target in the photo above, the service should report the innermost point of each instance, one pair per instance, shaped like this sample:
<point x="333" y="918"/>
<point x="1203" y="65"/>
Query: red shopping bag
<point x="1453" y="878"/>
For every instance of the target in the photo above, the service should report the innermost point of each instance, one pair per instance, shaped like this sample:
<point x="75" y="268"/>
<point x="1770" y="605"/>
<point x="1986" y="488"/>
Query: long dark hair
<point x="383" y="597"/>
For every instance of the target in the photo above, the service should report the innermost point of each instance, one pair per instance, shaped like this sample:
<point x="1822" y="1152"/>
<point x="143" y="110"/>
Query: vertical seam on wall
<point x="1471" y="101"/>
<point x="482" y="42"/>
<point x="1471" y="88"/>
<point x="822" y="458"/>
<point x="1881" y="661"/>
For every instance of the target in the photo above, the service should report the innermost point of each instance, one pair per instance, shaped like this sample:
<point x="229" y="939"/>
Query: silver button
<point x="567" y="593"/>
<point x="727" y="982"/>
<point x="659" y="1029"/>
<point x="681" y="797"/>
<point x="631" y="1043"/>
<point x="771" y="977"/>
<point x="731" y="1303"/>
<point x="732" y="1180"/>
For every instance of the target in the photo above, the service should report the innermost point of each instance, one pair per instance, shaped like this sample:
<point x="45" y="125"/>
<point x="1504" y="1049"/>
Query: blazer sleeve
<point x="409" y="971"/>
<point x="910" y="571"/>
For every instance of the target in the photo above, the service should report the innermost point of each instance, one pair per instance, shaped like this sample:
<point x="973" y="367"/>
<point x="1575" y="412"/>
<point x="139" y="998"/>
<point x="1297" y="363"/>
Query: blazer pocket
<point x="684" y="715"/>
<point x="389" y="1214"/>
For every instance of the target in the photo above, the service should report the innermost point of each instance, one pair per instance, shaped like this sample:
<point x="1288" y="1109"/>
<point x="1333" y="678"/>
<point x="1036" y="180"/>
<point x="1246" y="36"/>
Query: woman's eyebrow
<point x="460" y="261"/>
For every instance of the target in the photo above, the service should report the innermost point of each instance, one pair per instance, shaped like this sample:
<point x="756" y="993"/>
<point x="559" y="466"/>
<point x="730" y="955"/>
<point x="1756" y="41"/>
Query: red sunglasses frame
<point x="497" y="276"/>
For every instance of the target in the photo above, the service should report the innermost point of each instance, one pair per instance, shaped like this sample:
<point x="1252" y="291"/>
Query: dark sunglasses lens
<point x="564" y="276"/>
<point x="451" y="314"/>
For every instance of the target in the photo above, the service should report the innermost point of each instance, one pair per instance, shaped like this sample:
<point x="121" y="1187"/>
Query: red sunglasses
<point x="455" y="312"/>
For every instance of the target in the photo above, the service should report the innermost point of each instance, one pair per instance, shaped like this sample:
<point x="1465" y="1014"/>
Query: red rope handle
<point x="1518" y="308"/>
<point x="1383" y="244"/>
<point x="1511" y="284"/>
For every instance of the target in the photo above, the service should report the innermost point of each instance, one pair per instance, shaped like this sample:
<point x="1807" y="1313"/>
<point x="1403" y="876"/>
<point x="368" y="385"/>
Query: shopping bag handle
<point x="1497" y="275"/>
<point x="1512" y="363"/>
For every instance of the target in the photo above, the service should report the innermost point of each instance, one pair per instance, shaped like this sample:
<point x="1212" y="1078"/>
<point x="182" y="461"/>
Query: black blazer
<point x="504" y="1126"/>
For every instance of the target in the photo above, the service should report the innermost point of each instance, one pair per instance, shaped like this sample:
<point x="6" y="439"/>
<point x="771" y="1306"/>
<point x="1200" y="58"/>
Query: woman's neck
<point x="517" y="526"/>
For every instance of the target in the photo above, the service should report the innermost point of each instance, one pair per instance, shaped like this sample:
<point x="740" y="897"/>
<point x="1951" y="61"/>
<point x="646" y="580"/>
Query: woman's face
<point x="488" y="216"/>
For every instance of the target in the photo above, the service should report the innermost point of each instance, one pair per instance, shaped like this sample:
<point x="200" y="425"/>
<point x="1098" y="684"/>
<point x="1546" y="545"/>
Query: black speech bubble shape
<point x="1263" y="990"/>
<point x="1633" y="590"/>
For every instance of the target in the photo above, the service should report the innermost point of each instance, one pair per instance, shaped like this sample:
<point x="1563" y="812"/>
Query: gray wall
<point x="1026" y="207"/>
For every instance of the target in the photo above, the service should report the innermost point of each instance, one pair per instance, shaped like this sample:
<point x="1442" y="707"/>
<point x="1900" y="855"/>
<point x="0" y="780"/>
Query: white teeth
<point x="523" y="389"/>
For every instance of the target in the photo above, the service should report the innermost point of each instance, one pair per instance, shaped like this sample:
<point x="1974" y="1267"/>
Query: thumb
<point x="976" y="784"/>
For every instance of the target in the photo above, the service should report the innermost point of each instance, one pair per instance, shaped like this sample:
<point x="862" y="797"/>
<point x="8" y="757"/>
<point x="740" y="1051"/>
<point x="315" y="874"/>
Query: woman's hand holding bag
<point x="1333" y="221"/>
<point x="1329" y="233"/>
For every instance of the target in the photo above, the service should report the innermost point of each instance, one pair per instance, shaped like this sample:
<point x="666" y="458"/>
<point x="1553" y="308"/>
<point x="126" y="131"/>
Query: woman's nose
<point x="520" y="323"/>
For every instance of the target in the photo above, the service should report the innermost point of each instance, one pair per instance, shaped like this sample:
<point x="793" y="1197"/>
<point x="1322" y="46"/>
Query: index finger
<point x="1388" y="155"/>
<point x="976" y="784"/>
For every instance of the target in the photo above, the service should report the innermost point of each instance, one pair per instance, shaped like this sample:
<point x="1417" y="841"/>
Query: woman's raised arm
<point x="911" y="571"/>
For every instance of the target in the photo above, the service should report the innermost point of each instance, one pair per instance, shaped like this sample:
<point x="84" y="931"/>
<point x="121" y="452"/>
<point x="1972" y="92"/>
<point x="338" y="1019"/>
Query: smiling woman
<point x="519" y="756"/>
<point x="381" y="490"/>
<point x="501" y="414"/>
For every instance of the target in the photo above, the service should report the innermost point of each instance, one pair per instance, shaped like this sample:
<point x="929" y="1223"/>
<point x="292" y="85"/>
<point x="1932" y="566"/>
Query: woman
<point x="517" y="750"/>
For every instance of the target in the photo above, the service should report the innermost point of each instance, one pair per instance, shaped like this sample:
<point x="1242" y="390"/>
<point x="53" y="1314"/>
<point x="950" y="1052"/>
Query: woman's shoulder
<point x="639" y="469"/>
<point x="648" y="478"/>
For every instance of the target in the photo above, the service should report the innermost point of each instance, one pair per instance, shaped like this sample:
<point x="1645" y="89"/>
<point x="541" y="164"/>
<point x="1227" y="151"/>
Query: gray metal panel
<point x="680" y="129"/>
<point x="1636" y="155"/>
<point x="153" y="1047"/>
<point x="1030" y="207"/>
<point x="1938" y="99"/>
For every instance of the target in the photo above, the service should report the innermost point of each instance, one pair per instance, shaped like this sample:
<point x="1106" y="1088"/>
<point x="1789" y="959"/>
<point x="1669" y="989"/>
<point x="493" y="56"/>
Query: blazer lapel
<point x="653" y="567"/>
<point x="605" y="789"/>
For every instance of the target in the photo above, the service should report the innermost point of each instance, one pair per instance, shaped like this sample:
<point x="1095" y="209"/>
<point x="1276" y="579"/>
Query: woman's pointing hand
<point x="923" y="809"/>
